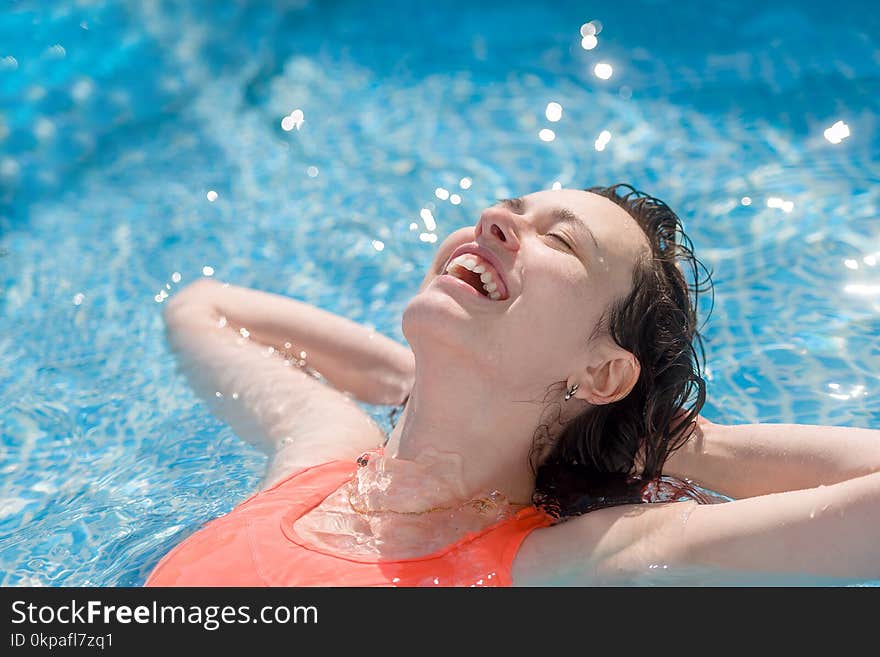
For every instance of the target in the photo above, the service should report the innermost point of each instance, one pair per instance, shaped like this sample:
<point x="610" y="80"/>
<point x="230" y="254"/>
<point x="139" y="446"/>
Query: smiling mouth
<point x="478" y="273"/>
<point x="469" y="277"/>
<point x="449" y="279"/>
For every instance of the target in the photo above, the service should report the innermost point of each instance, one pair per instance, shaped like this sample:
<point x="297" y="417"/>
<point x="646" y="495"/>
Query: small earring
<point x="570" y="393"/>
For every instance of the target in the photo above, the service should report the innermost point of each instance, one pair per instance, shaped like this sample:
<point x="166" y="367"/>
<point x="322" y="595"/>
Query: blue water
<point x="118" y="119"/>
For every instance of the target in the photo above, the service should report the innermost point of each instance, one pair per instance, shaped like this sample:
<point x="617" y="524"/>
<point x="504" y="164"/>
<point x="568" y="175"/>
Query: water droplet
<point x="207" y="270"/>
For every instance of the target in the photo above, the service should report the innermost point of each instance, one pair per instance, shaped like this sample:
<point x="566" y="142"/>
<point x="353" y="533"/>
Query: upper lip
<point x="489" y="257"/>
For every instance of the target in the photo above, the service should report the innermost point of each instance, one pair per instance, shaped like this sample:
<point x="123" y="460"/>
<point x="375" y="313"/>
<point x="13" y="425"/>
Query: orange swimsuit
<point x="256" y="544"/>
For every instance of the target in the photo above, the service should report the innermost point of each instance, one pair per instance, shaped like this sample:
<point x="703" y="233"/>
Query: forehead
<point x="613" y="227"/>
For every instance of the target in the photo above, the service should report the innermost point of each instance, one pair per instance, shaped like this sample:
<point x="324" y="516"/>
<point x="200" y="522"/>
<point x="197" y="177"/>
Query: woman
<point x="545" y="386"/>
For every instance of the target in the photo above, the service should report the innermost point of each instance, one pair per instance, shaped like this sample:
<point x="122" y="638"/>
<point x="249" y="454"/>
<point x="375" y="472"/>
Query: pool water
<point x="142" y="144"/>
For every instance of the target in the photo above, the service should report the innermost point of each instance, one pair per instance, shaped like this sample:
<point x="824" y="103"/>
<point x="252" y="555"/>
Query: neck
<point x="464" y="437"/>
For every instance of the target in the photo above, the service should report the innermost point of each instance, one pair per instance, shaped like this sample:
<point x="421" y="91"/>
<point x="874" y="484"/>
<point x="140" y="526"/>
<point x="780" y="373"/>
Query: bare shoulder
<point x="608" y="547"/>
<point x="339" y="431"/>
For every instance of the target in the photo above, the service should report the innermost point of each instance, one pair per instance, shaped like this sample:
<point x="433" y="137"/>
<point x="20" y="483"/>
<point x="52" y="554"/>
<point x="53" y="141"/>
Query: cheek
<point x="554" y="319"/>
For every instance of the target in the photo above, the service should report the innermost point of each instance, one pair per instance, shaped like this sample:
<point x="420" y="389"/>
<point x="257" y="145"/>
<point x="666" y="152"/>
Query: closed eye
<point x="561" y="239"/>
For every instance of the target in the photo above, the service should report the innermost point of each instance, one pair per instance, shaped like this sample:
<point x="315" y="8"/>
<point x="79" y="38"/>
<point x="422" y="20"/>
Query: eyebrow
<point x="562" y="215"/>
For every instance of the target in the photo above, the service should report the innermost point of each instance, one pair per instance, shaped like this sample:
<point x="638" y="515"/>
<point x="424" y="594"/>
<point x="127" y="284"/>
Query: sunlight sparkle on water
<point x="862" y="290"/>
<point x="603" y="71"/>
<point x="428" y="218"/>
<point x="602" y="140"/>
<point x="837" y="132"/>
<point x="212" y="196"/>
<point x="589" y="30"/>
<point x="293" y="120"/>
<point x="546" y="135"/>
<point x="776" y="202"/>
<point x="553" y="112"/>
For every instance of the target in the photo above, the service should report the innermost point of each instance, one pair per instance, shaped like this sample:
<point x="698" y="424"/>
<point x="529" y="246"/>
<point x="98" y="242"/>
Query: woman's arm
<point x="747" y="460"/>
<point x="352" y="358"/>
<point x="268" y="401"/>
<point x="826" y="534"/>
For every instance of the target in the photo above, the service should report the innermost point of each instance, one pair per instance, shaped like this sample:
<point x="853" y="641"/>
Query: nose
<point x="502" y="225"/>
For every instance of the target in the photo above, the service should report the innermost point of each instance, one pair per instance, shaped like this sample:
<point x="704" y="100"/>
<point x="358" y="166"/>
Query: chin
<point x="434" y="317"/>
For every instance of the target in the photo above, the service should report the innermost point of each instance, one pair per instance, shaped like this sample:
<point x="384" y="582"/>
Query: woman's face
<point x="563" y="255"/>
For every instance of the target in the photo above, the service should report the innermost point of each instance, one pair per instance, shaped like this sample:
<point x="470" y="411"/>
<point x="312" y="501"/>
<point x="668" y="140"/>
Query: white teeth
<point x="476" y="265"/>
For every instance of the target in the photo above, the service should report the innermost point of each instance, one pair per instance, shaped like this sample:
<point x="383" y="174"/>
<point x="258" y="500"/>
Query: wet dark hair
<point x="591" y="462"/>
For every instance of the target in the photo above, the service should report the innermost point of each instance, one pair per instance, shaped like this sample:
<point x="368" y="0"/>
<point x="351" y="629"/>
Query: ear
<point x="610" y="380"/>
